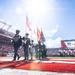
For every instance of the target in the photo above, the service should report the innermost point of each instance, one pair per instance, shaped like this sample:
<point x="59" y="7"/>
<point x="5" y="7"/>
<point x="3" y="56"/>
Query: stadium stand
<point x="6" y="46"/>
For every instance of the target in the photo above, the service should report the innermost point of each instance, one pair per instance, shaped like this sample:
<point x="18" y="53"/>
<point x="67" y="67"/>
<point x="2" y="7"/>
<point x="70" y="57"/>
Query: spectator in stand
<point x="17" y="43"/>
<point x="61" y="52"/>
<point x="26" y="43"/>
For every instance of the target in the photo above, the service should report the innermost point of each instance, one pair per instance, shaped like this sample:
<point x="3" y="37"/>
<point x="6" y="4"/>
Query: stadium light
<point x="9" y="27"/>
<point x="5" y="24"/>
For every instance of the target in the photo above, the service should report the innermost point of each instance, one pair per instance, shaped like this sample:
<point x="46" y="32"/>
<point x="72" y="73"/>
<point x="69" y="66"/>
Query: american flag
<point x="27" y="23"/>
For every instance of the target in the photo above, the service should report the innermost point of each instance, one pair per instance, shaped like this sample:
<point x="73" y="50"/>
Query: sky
<point x="56" y="18"/>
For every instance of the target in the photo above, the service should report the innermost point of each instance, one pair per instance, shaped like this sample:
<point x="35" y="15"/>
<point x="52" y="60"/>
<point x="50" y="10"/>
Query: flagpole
<point x="31" y="31"/>
<point x="37" y="34"/>
<point x="26" y="24"/>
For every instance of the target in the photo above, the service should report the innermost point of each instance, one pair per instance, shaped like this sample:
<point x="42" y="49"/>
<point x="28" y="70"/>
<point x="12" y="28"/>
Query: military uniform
<point x="43" y="47"/>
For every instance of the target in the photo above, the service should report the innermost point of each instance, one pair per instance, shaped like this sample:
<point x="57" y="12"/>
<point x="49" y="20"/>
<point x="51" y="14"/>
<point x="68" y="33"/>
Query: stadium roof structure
<point x="68" y="40"/>
<point x="5" y="35"/>
<point x="5" y="24"/>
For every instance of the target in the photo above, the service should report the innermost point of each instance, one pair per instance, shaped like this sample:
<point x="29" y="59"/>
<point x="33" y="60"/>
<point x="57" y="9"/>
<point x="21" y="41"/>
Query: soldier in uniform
<point x="43" y="47"/>
<point x="39" y="49"/>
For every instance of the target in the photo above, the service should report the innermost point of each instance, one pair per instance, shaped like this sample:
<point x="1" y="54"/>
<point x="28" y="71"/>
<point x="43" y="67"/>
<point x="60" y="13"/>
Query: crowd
<point x="61" y="52"/>
<point x="67" y="52"/>
<point x="5" y="32"/>
<point x="4" y="49"/>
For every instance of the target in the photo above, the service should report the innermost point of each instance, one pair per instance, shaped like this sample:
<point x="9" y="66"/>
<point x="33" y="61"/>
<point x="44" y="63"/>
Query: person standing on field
<point x="26" y="43"/>
<point x="17" y="42"/>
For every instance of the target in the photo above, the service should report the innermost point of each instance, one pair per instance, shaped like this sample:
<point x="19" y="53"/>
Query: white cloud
<point x="49" y="34"/>
<point x="54" y="43"/>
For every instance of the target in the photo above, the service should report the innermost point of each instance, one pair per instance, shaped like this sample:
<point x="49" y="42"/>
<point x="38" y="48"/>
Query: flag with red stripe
<point x="39" y="34"/>
<point x="27" y="23"/>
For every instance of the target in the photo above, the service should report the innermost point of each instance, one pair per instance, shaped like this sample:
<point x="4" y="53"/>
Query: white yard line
<point x="63" y="62"/>
<point x="8" y="71"/>
<point x="27" y="72"/>
<point x="45" y="61"/>
<point x="62" y="59"/>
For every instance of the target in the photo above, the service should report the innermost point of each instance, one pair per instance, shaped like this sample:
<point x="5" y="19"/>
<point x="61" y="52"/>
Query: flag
<point x="27" y="23"/>
<point x="42" y="36"/>
<point x="39" y="34"/>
